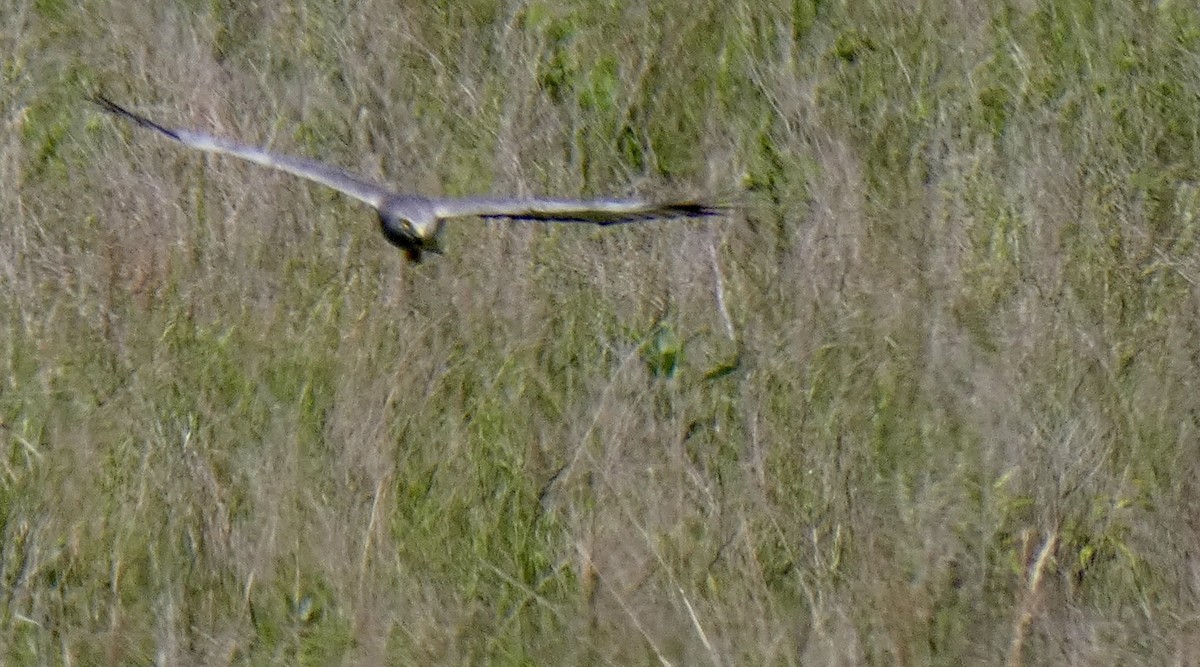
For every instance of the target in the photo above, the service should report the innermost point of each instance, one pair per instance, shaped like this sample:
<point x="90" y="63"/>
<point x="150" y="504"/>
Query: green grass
<point x="926" y="396"/>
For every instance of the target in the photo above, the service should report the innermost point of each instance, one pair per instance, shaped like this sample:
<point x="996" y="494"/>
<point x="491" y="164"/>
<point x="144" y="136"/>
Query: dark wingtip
<point x="699" y="210"/>
<point x="111" y="106"/>
<point x="660" y="211"/>
<point x="693" y="210"/>
<point x="118" y="110"/>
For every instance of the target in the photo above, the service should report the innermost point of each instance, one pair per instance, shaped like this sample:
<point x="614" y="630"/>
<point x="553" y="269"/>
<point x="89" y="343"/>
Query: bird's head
<point x="410" y="224"/>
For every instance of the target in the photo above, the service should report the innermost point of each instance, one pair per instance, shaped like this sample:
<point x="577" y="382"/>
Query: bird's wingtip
<point x="697" y="209"/>
<point x="117" y="110"/>
<point x="100" y="100"/>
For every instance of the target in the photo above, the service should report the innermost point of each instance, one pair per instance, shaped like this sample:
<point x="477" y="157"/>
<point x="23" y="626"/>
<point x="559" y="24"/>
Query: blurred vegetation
<point x="927" y="396"/>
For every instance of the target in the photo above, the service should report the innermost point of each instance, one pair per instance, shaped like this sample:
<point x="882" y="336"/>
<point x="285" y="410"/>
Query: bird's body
<point x="414" y="223"/>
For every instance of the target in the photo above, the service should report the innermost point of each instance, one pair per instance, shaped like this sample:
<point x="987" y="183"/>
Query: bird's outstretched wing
<point x="594" y="211"/>
<point x="355" y="186"/>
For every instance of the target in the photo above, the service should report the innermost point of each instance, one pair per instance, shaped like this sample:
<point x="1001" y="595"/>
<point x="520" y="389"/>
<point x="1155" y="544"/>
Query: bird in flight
<point x="412" y="222"/>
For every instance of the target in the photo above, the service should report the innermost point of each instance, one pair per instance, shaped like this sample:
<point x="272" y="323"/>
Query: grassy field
<point x="930" y="394"/>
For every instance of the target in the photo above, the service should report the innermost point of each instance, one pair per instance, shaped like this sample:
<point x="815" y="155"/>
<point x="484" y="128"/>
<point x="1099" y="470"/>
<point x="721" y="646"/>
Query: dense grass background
<point x="930" y="395"/>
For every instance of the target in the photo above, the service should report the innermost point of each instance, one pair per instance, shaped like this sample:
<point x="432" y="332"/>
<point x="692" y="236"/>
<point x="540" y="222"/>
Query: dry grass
<point x="928" y="397"/>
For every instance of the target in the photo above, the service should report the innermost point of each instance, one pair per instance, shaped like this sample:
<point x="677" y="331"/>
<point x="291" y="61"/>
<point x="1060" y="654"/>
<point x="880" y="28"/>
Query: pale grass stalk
<point x="601" y="404"/>
<point x="248" y="590"/>
<point x="366" y="549"/>
<point x="719" y="284"/>
<point x="637" y="623"/>
<point x="531" y="595"/>
<point x="1030" y="600"/>
<point x="21" y="618"/>
<point x="30" y="448"/>
<point x="630" y="515"/>
<point x="699" y="628"/>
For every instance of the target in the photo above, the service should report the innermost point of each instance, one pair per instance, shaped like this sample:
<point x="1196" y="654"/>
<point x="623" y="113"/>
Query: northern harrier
<point x="413" y="222"/>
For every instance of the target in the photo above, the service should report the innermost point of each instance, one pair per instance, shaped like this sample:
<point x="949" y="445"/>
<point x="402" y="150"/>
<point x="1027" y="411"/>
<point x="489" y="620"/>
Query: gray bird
<point x="414" y="223"/>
